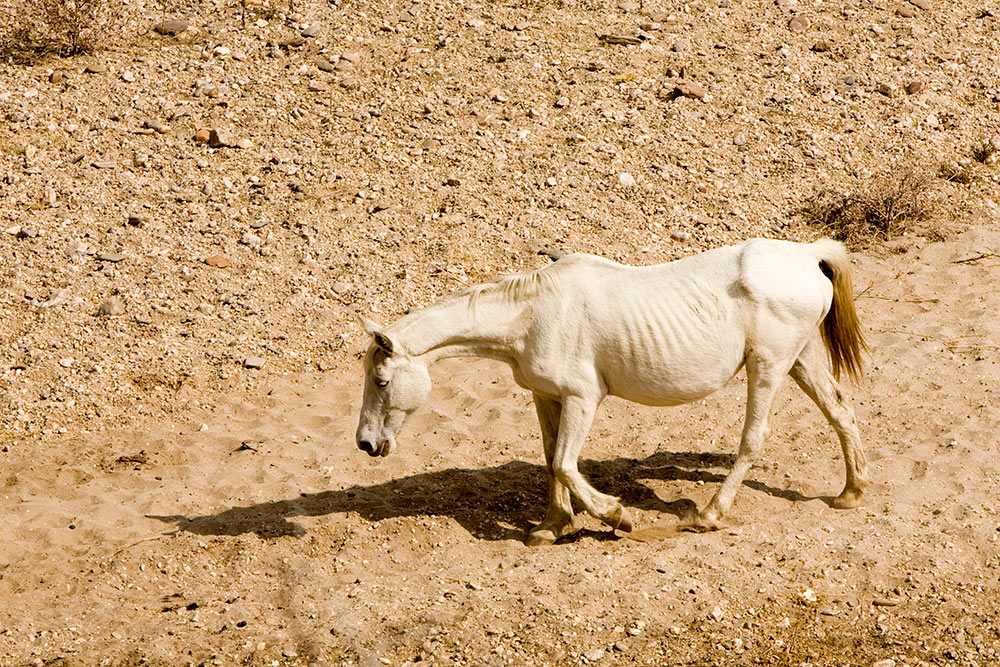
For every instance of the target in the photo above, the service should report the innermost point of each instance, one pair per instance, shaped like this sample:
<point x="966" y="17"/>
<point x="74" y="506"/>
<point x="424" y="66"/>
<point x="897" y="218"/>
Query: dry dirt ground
<point x="178" y="478"/>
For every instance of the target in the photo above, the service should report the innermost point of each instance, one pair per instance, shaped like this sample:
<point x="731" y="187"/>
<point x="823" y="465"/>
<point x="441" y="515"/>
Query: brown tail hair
<point x="842" y="334"/>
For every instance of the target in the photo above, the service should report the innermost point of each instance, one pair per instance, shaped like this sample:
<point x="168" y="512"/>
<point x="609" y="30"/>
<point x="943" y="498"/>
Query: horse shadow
<point x="494" y="503"/>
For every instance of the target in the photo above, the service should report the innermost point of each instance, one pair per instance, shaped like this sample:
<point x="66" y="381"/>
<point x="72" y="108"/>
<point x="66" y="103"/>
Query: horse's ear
<point x="371" y="327"/>
<point x="384" y="342"/>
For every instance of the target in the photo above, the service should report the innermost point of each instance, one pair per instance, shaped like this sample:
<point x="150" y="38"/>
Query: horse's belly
<point x="672" y="379"/>
<point x="667" y="390"/>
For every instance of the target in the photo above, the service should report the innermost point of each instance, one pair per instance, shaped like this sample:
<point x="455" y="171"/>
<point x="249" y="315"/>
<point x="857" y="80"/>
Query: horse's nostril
<point x="366" y="446"/>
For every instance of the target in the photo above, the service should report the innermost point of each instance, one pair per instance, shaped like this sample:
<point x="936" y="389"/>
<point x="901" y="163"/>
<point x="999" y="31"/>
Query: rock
<point x="136" y="219"/>
<point x="798" y="24"/>
<point x="628" y="6"/>
<point x="626" y="180"/>
<point x="922" y="4"/>
<point x="26" y="232"/>
<point x="218" y="138"/>
<point x="453" y="182"/>
<point x="104" y="164"/>
<point x="340" y="287"/>
<point x="352" y="57"/>
<point x="689" y="89"/>
<point x="112" y="257"/>
<point x="915" y="87"/>
<point x="251" y="239"/>
<point x="658" y="16"/>
<point x="254" y="362"/>
<point x="155" y="125"/>
<point x="680" y="236"/>
<point x="57" y="77"/>
<point x="127" y="77"/>
<point x="906" y="12"/>
<point x="312" y="31"/>
<point x="218" y="261"/>
<point x="96" y="68"/>
<point x="886" y="602"/>
<point x="594" y="654"/>
<point x="243" y="143"/>
<point x="932" y="121"/>
<point x="884" y="88"/>
<point x="822" y="46"/>
<point x="292" y="42"/>
<point x="171" y="26"/>
<point x="202" y="136"/>
<point x="57" y="298"/>
<point x="888" y="662"/>
<point x="324" y="64"/>
<point x="111" y="306"/>
<point x="562" y="102"/>
<point x="67" y="362"/>
<point x="350" y="83"/>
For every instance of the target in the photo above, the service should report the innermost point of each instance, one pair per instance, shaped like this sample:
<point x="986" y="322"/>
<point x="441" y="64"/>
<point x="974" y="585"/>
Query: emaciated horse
<point x="585" y="327"/>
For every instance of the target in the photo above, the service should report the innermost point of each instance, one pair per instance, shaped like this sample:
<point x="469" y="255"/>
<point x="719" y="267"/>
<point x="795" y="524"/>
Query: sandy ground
<point x="258" y="534"/>
<point x="179" y="341"/>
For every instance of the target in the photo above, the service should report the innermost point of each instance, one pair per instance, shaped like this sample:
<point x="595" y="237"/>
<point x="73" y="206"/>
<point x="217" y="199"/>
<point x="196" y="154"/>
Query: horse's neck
<point x="491" y="326"/>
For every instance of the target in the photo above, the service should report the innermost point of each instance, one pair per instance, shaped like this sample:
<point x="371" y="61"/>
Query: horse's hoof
<point x="539" y="538"/>
<point x="847" y="500"/>
<point x="620" y="519"/>
<point x="701" y="523"/>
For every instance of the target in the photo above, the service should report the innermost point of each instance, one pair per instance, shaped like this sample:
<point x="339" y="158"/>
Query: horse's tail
<point x="842" y="334"/>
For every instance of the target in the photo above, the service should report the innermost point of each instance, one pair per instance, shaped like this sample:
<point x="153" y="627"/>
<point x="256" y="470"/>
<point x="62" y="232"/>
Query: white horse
<point x="585" y="327"/>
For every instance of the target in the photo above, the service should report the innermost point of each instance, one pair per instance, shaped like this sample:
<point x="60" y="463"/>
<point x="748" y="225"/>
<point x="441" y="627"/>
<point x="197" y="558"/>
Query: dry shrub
<point x="31" y="29"/>
<point x="879" y="211"/>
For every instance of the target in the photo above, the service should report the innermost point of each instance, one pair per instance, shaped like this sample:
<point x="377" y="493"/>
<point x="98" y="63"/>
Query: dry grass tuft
<point x="880" y="211"/>
<point x="985" y="152"/>
<point x="33" y="29"/>
<point x="957" y="174"/>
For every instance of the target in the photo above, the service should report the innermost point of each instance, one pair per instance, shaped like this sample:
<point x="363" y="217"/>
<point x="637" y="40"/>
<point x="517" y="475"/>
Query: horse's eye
<point x="381" y="383"/>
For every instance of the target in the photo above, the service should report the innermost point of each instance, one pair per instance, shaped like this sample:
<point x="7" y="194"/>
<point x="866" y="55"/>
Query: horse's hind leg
<point x="811" y="373"/>
<point x="763" y="381"/>
<point x="559" y="519"/>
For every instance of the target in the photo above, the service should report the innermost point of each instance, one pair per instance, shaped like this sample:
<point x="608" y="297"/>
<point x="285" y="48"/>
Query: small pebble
<point x="626" y="179"/>
<point x="218" y="261"/>
<point x="798" y="24"/>
<point x="171" y="26"/>
<point x="111" y="306"/>
<point x="254" y="362"/>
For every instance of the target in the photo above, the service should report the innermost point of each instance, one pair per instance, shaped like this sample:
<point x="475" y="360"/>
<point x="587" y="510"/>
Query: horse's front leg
<point x="574" y="424"/>
<point x="559" y="518"/>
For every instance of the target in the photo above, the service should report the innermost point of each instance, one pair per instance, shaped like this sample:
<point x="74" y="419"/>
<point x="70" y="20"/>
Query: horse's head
<point x="395" y="386"/>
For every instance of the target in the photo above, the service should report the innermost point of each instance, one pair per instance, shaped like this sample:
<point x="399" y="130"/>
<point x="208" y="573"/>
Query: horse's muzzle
<point x="368" y="448"/>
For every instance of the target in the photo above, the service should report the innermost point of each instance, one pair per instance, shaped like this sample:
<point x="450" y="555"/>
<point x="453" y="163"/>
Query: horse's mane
<point x="516" y="286"/>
